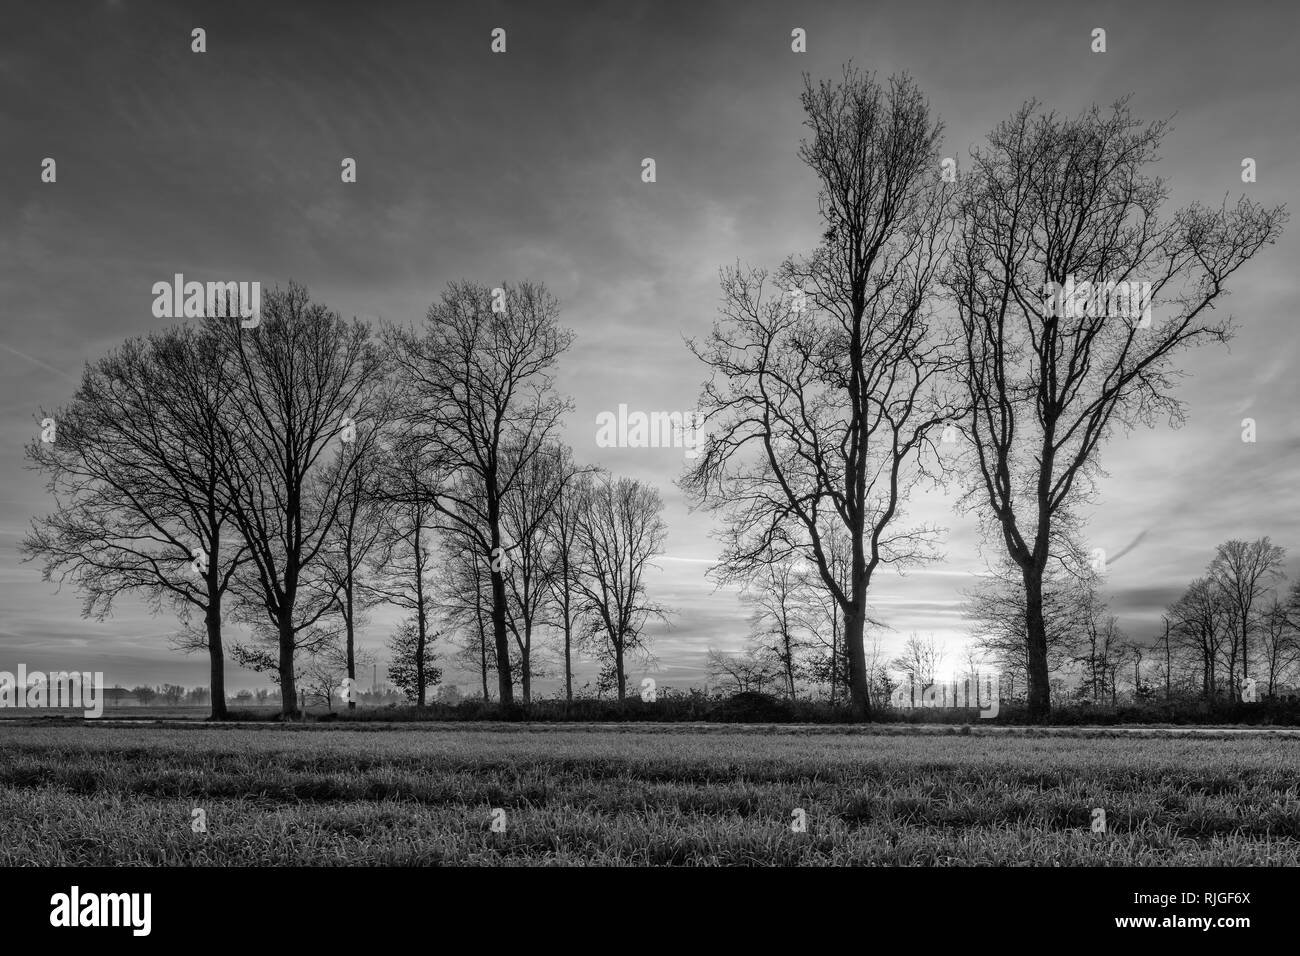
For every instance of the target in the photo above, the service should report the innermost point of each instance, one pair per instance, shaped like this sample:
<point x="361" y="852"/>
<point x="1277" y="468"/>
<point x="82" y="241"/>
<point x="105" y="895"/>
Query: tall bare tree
<point x="1243" y="571"/>
<point x="402" y="567"/>
<point x="476" y="381"/>
<point x="463" y="594"/>
<point x="135" y="463"/>
<point x="562" y="537"/>
<point x="305" y="377"/>
<point x="351" y="541"/>
<point x="780" y="620"/>
<point x="1199" y="622"/>
<point x="1053" y="204"/>
<point x="827" y="383"/>
<point x="620" y="531"/>
<point x="1103" y="653"/>
<point x="528" y="512"/>
<point x="1166" y="647"/>
<point x="1279" y="643"/>
<point x="825" y="617"/>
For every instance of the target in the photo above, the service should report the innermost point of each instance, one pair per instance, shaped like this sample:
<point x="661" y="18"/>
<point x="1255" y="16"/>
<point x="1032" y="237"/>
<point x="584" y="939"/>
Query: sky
<point x="499" y="167"/>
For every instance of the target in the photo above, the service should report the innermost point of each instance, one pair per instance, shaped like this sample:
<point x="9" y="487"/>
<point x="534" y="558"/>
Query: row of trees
<point x="292" y="475"/>
<point x="924" y="319"/>
<point x="1238" y="621"/>
<point x="307" y="467"/>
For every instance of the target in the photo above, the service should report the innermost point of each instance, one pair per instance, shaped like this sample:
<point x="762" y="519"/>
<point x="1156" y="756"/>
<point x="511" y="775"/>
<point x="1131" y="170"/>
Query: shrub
<point x="750" y="707"/>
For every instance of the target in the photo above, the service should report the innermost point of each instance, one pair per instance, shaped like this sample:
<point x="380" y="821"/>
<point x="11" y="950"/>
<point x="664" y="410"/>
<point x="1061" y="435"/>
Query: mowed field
<point x="638" y="795"/>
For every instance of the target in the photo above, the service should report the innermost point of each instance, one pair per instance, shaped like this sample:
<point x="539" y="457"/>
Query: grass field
<point x="638" y="795"/>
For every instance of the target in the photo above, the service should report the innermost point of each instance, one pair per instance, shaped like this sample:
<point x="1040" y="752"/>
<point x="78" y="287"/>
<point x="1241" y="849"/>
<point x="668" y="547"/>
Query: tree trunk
<point x="568" y="633"/>
<point x="288" y="689"/>
<point x="217" y="662"/>
<point x="1232" y="672"/>
<point x="835" y="653"/>
<point x="568" y="660"/>
<point x="1169" y="663"/>
<point x="1040" y="692"/>
<point x="525" y="666"/>
<point x="421" y="626"/>
<point x="421" y="622"/>
<point x="505" y="686"/>
<point x="1245" y="647"/>
<point x="482" y="638"/>
<point x="859" y="691"/>
<point x="789" y="669"/>
<point x="618" y="670"/>
<point x="1213" y="674"/>
<point x="349" y="624"/>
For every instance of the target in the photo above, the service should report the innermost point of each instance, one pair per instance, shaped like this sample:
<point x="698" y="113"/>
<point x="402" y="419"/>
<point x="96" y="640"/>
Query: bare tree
<point x="327" y="664"/>
<point x="1102" y="653"/>
<point x="562" y="539"/>
<point x="746" y="672"/>
<point x="779" y="621"/>
<point x="135" y="464"/>
<point x="827" y="385"/>
<point x="1135" y="652"/>
<point x="1056" y="204"/>
<point x="1279" y="643"/>
<point x="402" y="565"/>
<point x="351" y="541"/>
<point x="1167" y="648"/>
<point x="975" y="660"/>
<point x="919" y="662"/>
<point x="824" y="617"/>
<point x="1243" y="571"/>
<point x="996" y="606"/>
<point x="532" y="562"/>
<point x="878" y="674"/>
<point x="304" y="377"/>
<point x="463" y="591"/>
<point x="476" y="381"/>
<point x="1200" y="621"/>
<point x="1112" y="654"/>
<point x="620" y="531"/>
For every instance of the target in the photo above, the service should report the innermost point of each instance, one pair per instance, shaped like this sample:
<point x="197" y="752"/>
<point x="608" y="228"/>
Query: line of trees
<point x="928" y="316"/>
<point x="291" y="476"/>
<point x="1238" y="621"/>
<point x="299" y="472"/>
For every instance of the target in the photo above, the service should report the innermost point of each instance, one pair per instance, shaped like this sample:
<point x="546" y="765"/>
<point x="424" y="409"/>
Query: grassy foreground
<point x="637" y="795"/>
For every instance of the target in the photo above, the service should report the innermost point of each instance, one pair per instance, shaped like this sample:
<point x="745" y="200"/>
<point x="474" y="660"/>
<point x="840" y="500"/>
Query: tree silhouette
<point x="827" y="384"/>
<point x="1048" y="203"/>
